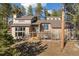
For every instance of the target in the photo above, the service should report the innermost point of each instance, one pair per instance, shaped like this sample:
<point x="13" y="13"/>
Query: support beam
<point x="62" y="29"/>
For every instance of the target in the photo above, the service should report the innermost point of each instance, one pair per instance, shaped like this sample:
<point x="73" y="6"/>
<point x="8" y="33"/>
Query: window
<point x="45" y="26"/>
<point x="19" y="31"/>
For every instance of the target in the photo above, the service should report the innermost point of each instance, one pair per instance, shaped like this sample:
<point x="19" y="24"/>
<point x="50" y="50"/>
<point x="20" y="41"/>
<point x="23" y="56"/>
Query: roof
<point x="55" y="23"/>
<point x="54" y="17"/>
<point x="25" y="18"/>
<point x="26" y="25"/>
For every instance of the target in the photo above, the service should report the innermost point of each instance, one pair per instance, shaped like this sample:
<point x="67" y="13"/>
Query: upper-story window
<point x="45" y="26"/>
<point x="20" y="29"/>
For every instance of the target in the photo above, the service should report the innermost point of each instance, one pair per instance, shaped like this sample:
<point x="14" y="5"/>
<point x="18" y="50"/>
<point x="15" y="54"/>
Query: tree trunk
<point x="75" y="29"/>
<point x="62" y="30"/>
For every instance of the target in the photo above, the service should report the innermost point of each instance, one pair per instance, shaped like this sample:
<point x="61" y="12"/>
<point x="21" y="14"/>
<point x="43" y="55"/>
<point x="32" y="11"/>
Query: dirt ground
<point x="54" y="49"/>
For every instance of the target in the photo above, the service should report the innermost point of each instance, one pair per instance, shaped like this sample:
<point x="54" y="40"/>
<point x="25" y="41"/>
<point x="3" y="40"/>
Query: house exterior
<point x="20" y="27"/>
<point x="29" y="25"/>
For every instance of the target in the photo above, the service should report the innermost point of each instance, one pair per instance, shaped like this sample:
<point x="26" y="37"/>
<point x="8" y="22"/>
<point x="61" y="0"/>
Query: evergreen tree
<point x="6" y="40"/>
<point x="38" y="10"/>
<point x="56" y="13"/>
<point x="72" y="11"/>
<point x="30" y="10"/>
<point x="46" y="13"/>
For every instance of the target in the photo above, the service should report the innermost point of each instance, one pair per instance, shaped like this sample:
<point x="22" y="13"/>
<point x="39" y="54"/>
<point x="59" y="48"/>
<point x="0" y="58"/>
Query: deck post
<point x="39" y="30"/>
<point x="62" y="29"/>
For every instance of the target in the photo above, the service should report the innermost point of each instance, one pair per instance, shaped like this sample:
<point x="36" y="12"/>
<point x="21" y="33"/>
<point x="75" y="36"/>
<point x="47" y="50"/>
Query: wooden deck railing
<point x="44" y="35"/>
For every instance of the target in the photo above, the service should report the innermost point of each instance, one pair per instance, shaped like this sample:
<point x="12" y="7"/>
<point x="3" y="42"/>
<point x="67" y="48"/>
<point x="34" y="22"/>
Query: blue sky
<point x="49" y="6"/>
<point x="55" y="6"/>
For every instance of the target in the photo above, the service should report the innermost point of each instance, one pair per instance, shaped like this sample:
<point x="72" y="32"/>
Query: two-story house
<point x="25" y="25"/>
<point x="21" y="26"/>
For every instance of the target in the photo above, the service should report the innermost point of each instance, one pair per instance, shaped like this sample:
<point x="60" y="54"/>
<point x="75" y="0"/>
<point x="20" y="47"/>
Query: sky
<point x="49" y="6"/>
<point x="55" y="6"/>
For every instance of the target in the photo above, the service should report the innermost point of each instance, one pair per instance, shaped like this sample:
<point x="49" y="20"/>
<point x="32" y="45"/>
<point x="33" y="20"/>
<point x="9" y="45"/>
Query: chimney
<point x="14" y="16"/>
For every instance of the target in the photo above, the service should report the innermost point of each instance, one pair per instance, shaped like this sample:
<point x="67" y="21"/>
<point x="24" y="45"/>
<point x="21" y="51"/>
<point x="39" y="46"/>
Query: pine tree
<point x="6" y="40"/>
<point x="30" y="11"/>
<point x="72" y="11"/>
<point x="56" y="13"/>
<point x="38" y="10"/>
<point x="46" y="13"/>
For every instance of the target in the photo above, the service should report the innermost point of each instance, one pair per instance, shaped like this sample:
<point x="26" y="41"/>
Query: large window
<point x="45" y="26"/>
<point x="20" y="31"/>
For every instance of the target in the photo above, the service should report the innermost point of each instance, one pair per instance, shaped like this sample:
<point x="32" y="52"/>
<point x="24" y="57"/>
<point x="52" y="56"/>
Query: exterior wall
<point x="56" y="33"/>
<point x="13" y="32"/>
<point x="22" y="21"/>
<point x="49" y="27"/>
<point x="27" y="29"/>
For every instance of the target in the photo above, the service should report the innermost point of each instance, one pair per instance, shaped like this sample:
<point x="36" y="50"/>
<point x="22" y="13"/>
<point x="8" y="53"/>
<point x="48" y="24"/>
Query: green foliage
<point x="5" y="38"/>
<point x="56" y="13"/>
<point x="30" y="10"/>
<point x="47" y="13"/>
<point x="39" y="8"/>
<point x="72" y="8"/>
<point x="9" y="39"/>
<point x="26" y="49"/>
<point x="3" y="26"/>
<point x="17" y="9"/>
<point x="5" y="9"/>
<point x="73" y="14"/>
